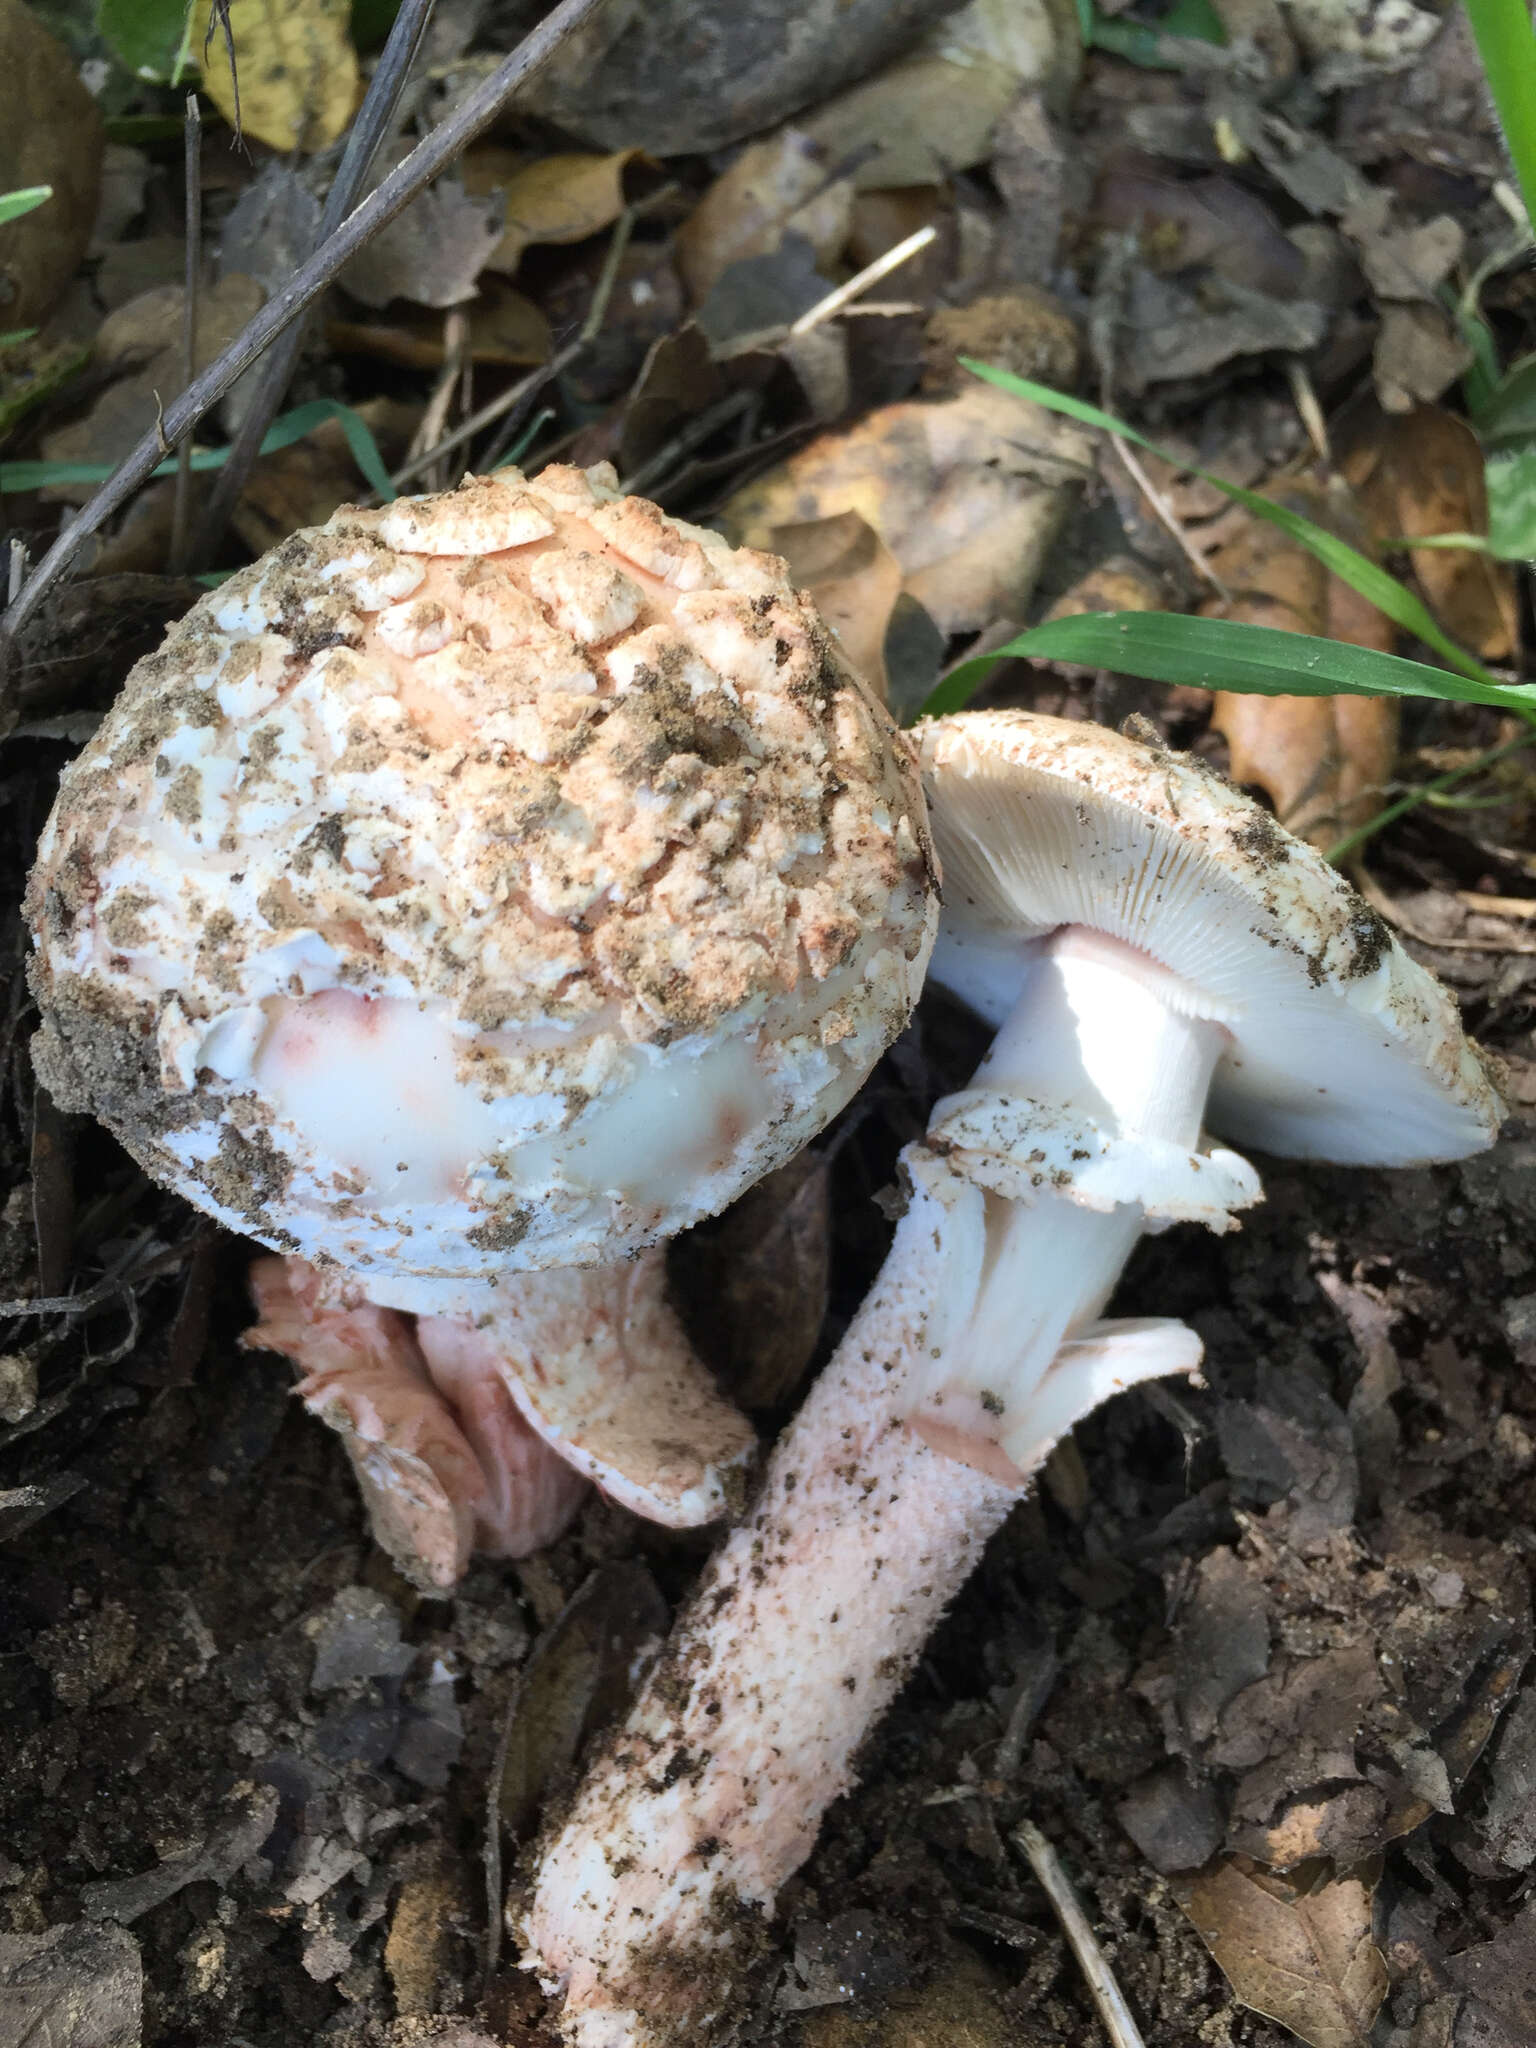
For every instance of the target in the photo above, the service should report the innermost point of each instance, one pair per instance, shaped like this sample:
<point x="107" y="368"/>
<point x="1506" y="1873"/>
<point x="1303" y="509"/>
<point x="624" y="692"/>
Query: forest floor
<point x="1256" y="1655"/>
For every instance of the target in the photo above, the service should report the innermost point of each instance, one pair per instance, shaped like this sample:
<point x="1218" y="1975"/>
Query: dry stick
<point x="872" y="273"/>
<point x="1106" y="1993"/>
<point x="181" y="511"/>
<point x="396" y="192"/>
<point x="1168" y="518"/>
<point x="506" y="401"/>
<point x="434" y="420"/>
<point x="374" y="120"/>
<point x="693" y="433"/>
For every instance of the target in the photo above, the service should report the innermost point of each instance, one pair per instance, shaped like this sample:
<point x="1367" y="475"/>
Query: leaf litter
<point x="1256" y="1659"/>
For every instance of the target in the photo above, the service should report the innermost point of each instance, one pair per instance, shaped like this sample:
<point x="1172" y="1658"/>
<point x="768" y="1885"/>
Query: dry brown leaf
<point x="854" y="579"/>
<point x="504" y="328"/>
<point x="431" y="254"/>
<point x="933" y="113"/>
<point x="1417" y="357"/>
<point x="753" y="1287"/>
<point x="577" y="1678"/>
<point x="775" y="187"/>
<point x="143" y="341"/>
<point x="967" y="493"/>
<point x="50" y="134"/>
<point x="296" y="77"/>
<point x="1119" y="583"/>
<point x="1422" y="473"/>
<point x="1304" y="1957"/>
<point x="1324" y="761"/>
<point x="558" y="199"/>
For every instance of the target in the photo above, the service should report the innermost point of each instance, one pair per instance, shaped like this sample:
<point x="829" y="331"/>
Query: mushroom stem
<point x="469" y="1410"/>
<point x="1108" y="1058"/>
<point x="807" y="1620"/>
<point x="813" y="1612"/>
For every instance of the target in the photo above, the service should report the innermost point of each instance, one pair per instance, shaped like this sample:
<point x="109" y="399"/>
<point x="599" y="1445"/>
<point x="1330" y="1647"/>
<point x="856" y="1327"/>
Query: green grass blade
<point x="1347" y="563"/>
<point x="1219" y="654"/>
<point x="14" y="204"/>
<point x="1506" y="44"/>
<point x="283" y="433"/>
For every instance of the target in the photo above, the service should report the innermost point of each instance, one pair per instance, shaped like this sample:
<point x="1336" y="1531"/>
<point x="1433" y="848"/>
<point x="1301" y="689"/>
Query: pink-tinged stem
<point x="806" y="1623"/>
<point x="647" y="1901"/>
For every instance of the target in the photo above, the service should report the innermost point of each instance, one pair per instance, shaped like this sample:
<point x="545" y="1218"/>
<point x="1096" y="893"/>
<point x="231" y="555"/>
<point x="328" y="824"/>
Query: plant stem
<point x="181" y="514"/>
<point x="369" y="130"/>
<point x="1506" y="44"/>
<point x="1353" y="841"/>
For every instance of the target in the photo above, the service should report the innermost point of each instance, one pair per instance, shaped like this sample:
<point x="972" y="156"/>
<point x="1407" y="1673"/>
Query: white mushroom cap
<point x="1339" y="1045"/>
<point x="506" y="878"/>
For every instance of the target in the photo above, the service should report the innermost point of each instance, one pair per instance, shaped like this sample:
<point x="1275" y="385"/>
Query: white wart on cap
<point x="1339" y="1046"/>
<point x="499" y="879"/>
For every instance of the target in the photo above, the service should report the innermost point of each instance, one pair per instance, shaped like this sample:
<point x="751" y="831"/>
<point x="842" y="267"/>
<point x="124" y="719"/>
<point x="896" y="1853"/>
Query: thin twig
<point x="16" y="571"/>
<point x="494" y="409"/>
<point x="507" y="401"/>
<point x="181" y="510"/>
<point x="1343" y="850"/>
<point x="1304" y="397"/>
<point x="434" y="421"/>
<point x="122" y="1280"/>
<point x="375" y="118"/>
<point x="430" y="156"/>
<point x="1169" y="518"/>
<point x="692" y="434"/>
<point x="1092" y="1961"/>
<point x="834" y="302"/>
<point x="1389" y="908"/>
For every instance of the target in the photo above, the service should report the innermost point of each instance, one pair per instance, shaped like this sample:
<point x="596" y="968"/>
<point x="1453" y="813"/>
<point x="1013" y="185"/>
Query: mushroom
<point x="496" y="882"/>
<point x="1152" y="950"/>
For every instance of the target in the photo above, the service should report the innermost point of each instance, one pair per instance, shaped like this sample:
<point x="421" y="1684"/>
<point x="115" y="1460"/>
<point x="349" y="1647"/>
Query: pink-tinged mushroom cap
<point x="502" y="879"/>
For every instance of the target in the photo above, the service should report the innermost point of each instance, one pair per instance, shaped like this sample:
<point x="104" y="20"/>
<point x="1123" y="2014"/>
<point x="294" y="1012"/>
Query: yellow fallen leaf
<point x="560" y="198"/>
<point x="1421" y="473"/>
<point x="296" y="79"/>
<point x="966" y="493"/>
<point x="775" y="187"/>
<point x="854" y="579"/>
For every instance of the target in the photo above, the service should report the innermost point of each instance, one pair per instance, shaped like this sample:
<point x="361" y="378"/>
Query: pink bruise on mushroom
<point x="445" y="1462"/>
<point x="494" y="883"/>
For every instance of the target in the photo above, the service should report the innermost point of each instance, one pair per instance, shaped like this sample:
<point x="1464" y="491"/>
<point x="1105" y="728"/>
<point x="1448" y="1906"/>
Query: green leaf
<point x="1506" y="44"/>
<point x="1348" y="564"/>
<point x="1219" y="654"/>
<point x="283" y="432"/>
<point x="1512" y="504"/>
<point x="145" y="35"/>
<point x="1509" y="413"/>
<point x="14" y="204"/>
<point x="1155" y="47"/>
<point x="16" y="334"/>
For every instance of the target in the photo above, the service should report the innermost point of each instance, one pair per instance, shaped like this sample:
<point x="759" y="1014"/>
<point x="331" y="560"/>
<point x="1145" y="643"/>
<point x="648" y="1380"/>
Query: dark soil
<point x="1296" y="1600"/>
<point x="1279" y="1623"/>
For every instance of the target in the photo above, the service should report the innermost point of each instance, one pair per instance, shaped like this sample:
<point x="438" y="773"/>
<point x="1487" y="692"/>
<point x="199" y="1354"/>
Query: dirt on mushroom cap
<point x="587" y="786"/>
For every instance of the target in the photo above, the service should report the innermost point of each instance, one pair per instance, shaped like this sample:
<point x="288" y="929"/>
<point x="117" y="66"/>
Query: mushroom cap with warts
<point x="1339" y="1045"/>
<point x="500" y="879"/>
